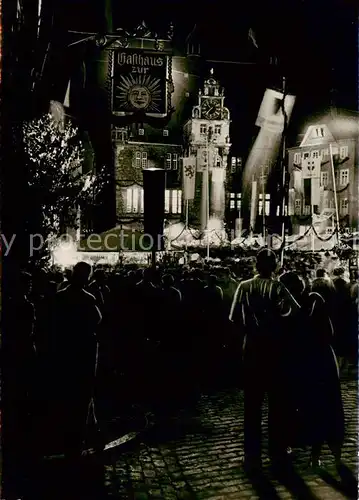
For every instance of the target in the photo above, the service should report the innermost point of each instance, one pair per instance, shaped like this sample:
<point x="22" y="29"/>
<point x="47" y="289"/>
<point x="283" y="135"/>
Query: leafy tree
<point x="57" y="186"/>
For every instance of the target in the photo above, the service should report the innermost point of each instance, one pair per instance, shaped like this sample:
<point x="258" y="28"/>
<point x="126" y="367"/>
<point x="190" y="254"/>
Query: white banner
<point x="202" y="160"/>
<point x="291" y="202"/>
<point x="315" y="194"/>
<point x="189" y="177"/>
<point x="311" y="168"/>
<point x="270" y="116"/>
<point x="298" y="181"/>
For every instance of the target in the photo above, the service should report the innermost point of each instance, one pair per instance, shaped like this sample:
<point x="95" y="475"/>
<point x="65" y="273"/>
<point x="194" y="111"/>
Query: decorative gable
<point x="316" y="135"/>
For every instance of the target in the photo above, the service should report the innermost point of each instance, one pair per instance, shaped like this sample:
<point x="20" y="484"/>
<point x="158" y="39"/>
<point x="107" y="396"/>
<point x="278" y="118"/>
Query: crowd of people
<point x="90" y="342"/>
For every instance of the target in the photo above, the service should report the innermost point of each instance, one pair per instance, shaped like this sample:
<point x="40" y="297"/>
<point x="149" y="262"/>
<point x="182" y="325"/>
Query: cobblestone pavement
<point x="201" y="459"/>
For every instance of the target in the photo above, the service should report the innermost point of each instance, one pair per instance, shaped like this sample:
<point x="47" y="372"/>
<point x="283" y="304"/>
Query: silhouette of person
<point x="258" y="307"/>
<point x="76" y="318"/>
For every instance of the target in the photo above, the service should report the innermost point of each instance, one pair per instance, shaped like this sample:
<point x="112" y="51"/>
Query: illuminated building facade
<point x="318" y="141"/>
<point x="156" y="138"/>
<point x="207" y="139"/>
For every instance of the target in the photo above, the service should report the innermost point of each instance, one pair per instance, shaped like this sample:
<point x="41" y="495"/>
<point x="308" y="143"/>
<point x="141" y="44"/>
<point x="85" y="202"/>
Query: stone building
<point x="197" y="110"/>
<point x="337" y="175"/>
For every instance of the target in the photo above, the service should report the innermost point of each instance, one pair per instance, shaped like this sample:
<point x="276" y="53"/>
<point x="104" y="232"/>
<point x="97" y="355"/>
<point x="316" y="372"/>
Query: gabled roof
<point x="316" y="135"/>
<point x="333" y="126"/>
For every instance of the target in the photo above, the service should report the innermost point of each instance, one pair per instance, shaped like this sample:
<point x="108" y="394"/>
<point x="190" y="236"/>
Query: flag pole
<point x="186" y="228"/>
<point x="207" y="189"/>
<point x="263" y="206"/>
<point x="284" y="171"/>
<point x="334" y="191"/>
<point x="312" y="209"/>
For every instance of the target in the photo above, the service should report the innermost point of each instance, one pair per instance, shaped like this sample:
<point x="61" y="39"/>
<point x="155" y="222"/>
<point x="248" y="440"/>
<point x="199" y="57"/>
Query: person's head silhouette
<point x="81" y="274"/>
<point x="266" y="262"/>
<point x="168" y="280"/>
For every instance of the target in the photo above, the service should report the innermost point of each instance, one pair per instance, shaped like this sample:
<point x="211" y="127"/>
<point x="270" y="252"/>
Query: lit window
<point x="179" y="200"/>
<point x="144" y="160"/>
<point x="260" y="205"/>
<point x="235" y="201"/>
<point x="324" y="179"/>
<point x="343" y="152"/>
<point x="344" y="206"/>
<point x="233" y="165"/>
<point x="174" y="204"/>
<point x="217" y="129"/>
<point x="167" y="201"/>
<point x="129" y="200"/>
<point x="267" y="204"/>
<point x="176" y="201"/>
<point x="203" y="128"/>
<point x="138" y="159"/>
<point x="165" y="133"/>
<point x="174" y="161"/>
<point x="134" y="200"/>
<point x="168" y="161"/>
<point x="297" y="158"/>
<point x="298" y="206"/>
<point x="141" y="131"/>
<point x="315" y="154"/>
<point x="344" y="177"/>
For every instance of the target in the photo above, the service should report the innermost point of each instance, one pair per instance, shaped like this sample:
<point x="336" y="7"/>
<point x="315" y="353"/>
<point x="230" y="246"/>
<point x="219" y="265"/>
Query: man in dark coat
<point x="341" y="316"/>
<point x="76" y="318"/>
<point x="258" y="307"/>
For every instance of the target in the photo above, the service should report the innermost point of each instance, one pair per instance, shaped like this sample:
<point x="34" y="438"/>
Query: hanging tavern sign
<point x="139" y="83"/>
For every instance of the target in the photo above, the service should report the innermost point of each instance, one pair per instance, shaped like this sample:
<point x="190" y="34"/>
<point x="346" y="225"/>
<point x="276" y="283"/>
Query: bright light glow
<point x="264" y="152"/>
<point x="64" y="253"/>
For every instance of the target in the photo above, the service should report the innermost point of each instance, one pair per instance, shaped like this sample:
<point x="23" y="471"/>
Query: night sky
<point x="316" y="42"/>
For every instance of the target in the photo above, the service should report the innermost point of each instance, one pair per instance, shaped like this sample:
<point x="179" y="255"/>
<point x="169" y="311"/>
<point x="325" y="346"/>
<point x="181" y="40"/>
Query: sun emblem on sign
<point x="143" y="92"/>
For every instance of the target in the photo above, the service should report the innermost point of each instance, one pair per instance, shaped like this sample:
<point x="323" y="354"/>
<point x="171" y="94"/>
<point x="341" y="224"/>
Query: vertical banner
<point x="298" y="181"/>
<point x="202" y="159"/>
<point x="307" y="192"/>
<point x="154" y="182"/>
<point x="205" y="199"/>
<point x="139" y="83"/>
<point x="253" y="213"/>
<point x="270" y="116"/>
<point x="291" y="202"/>
<point x="189" y="177"/>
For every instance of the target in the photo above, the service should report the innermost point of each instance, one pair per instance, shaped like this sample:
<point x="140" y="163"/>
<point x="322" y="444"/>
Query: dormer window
<point x="206" y="91"/>
<point x="216" y="92"/>
<point x="319" y="132"/>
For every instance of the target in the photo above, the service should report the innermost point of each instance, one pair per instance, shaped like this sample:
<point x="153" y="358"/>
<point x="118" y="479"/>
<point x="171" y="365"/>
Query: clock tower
<point x="207" y="139"/>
